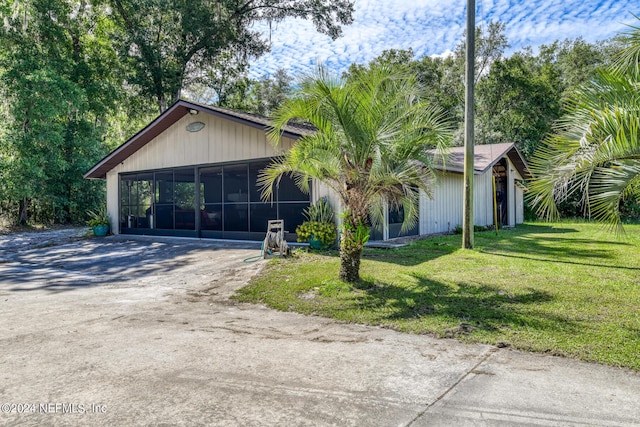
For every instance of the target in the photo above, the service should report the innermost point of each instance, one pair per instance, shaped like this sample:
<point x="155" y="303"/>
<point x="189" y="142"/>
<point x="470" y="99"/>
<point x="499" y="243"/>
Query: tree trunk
<point x="162" y="103"/>
<point x="349" y="264"/>
<point x="22" y="216"/>
<point x="351" y="245"/>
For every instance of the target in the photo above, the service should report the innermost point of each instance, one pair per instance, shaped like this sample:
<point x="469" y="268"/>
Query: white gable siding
<point x="113" y="202"/>
<point x="516" y="194"/>
<point x="519" y="205"/>
<point x="443" y="212"/>
<point x="220" y="141"/>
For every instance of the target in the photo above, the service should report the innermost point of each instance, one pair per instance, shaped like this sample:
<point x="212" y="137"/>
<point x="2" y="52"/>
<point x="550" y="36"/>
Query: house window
<point x="184" y="199"/>
<point x="211" y="198"/>
<point x="163" y="209"/>
<point x="396" y="218"/>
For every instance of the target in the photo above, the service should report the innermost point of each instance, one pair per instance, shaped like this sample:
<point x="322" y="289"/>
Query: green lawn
<point x="568" y="289"/>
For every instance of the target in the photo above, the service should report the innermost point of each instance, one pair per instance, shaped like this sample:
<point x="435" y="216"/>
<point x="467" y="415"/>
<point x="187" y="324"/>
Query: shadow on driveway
<point x="94" y="262"/>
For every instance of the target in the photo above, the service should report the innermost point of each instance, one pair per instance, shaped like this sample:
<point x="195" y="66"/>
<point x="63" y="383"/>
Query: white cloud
<point x="435" y="27"/>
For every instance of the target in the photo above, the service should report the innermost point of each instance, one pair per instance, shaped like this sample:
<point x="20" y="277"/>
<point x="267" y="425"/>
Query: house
<point x="192" y="172"/>
<point x="443" y="212"/>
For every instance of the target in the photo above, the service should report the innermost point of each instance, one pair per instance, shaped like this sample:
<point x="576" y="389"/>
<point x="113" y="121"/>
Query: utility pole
<point x="467" y="202"/>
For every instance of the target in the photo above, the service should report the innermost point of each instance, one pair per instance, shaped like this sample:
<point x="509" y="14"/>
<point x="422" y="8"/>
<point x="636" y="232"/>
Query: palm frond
<point x="627" y="61"/>
<point x="371" y="140"/>
<point x="589" y="150"/>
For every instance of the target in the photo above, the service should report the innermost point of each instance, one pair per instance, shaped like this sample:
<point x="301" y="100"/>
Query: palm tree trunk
<point x="354" y="235"/>
<point x="349" y="258"/>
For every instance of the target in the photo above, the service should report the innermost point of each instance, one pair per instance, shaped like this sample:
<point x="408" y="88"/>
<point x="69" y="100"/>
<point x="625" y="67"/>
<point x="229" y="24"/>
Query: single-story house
<point x="192" y="172"/>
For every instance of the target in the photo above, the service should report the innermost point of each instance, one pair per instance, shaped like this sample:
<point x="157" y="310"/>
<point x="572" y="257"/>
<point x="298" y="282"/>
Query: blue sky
<point x="435" y="27"/>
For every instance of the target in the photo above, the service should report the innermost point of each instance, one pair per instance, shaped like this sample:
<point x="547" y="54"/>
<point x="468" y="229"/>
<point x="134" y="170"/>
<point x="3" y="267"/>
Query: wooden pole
<point x="467" y="218"/>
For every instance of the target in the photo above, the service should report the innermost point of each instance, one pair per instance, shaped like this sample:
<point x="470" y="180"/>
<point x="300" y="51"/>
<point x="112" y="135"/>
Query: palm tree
<point x="370" y="147"/>
<point x="595" y="151"/>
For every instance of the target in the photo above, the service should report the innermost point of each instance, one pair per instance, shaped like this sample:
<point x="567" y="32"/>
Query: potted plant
<point x="319" y="229"/>
<point x="99" y="221"/>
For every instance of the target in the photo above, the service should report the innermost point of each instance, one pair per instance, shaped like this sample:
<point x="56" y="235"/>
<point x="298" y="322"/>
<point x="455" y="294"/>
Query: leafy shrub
<point x="321" y="211"/>
<point x="359" y="234"/>
<point x="99" y="217"/>
<point x="476" y="228"/>
<point x="324" y="231"/>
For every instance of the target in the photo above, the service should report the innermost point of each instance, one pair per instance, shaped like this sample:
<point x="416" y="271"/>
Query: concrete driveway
<point x="141" y="332"/>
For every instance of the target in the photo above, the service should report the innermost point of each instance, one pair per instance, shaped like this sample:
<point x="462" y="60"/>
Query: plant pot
<point x="315" y="243"/>
<point x="100" y="230"/>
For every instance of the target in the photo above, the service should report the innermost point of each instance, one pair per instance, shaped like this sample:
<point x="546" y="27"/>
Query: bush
<point x="99" y="217"/>
<point x="476" y="228"/>
<point x="324" y="231"/>
<point x="321" y="211"/>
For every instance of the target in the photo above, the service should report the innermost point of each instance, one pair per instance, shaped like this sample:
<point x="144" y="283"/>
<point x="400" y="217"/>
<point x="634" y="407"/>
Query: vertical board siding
<point x="113" y="202"/>
<point x="220" y="141"/>
<point x="320" y="190"/>
<point x="518" y="200"/>
<point x="223" y="140"/>
<point x="519" y="205"/>
<point x="511" y="194"/>
<point x="443" y="212"/>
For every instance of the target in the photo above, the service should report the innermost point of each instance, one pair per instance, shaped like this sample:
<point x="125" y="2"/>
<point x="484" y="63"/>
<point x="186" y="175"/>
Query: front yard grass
<point x="570" y="289"/>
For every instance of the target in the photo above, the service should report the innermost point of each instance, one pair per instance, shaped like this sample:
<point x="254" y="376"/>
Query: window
<point x="396" y="218"/>
<point x="184" y="199"/>
<point x="164" y="200"/>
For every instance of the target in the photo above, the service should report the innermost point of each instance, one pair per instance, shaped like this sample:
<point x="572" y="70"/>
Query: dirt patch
<point x="30" y="239"/>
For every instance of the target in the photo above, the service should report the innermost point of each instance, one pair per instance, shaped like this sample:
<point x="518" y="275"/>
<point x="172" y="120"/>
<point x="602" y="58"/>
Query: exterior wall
<point x="483" y="199"/>
<point x="223" y="140"/>
<point x="511" y="194"/>
<point x="515" y="196"/>
<point x="443" y="212"/>
<point x="112" y="202"/>
<point x="220" y="141"/>
<point x="320" y="190"/>
<point x="519" y="205"/>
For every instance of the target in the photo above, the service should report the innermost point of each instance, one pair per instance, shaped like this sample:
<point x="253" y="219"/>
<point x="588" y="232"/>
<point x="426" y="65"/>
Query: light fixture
<point x="193" y="111"/>
<point x="195" y="126"/>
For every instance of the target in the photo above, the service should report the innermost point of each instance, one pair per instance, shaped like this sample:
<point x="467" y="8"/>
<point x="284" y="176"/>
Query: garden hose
<point x="257" y="257"/>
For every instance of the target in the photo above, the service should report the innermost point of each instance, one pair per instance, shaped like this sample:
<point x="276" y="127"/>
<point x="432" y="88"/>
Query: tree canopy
<point x="170" y="44"/>
<point x="79" y="77"/>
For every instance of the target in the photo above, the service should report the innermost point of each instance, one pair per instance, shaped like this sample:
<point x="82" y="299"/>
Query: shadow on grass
<point x="588" y="262"/>
<point x="536" y="242"/>
<point x="473" y="308"/>
<point x="557" y="249"/>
